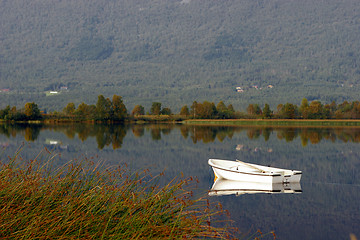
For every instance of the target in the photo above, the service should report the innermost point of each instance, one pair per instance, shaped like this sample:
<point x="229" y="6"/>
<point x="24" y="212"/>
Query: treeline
<point x="115" y="110"/>
<point x="306" y="110"/>
<point x="104" y="110"/>
<point x="31" y="111"/>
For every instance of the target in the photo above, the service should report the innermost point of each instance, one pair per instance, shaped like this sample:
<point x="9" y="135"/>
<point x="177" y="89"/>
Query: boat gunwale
<point x="265" y="174"/>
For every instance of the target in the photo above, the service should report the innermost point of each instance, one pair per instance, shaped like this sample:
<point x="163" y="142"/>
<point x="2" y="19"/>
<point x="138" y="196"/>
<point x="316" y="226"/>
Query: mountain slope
<point x="176" y="52"/>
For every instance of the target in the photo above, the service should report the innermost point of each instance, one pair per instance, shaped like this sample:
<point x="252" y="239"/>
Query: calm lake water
<point x="326" y="208"/>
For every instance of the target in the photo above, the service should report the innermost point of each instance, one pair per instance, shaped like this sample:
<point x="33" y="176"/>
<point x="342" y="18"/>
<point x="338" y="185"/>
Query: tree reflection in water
<point x="111" y="134"/>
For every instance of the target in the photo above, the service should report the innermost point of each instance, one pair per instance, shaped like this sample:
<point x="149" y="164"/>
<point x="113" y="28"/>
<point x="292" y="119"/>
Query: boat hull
<point x="240" y="171"/>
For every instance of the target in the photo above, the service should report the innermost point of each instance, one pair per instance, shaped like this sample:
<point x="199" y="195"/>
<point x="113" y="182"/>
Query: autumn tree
<point x="279" y="110"/>
<point x="331" y="109"/>
<point x="138" y="110"/>
<point x="355" y="112"/>
<point x="348" y="110"/>
<point x="254" y="110"/>
<point x="119" y="111"/>
<point x="304" y="108"/>
<point x="289" y="111"/>
<point x="69" y="109"/>
<point x="184" y="111"/>
<point x="206" y="110"/>
<point x="32" y="111"/>
<point x="250" y="109"/>
<point x="316" y="110"/>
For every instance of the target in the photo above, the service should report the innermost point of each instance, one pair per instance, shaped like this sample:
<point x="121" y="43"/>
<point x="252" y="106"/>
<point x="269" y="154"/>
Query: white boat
<point x="229" y="187"/>
<point x="248" y="172"/>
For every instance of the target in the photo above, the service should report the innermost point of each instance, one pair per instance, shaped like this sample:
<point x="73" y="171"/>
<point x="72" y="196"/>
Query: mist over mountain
<point x="179" y="51"/>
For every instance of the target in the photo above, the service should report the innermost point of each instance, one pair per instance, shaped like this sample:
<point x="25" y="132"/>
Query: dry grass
<point x="80" y="201"/>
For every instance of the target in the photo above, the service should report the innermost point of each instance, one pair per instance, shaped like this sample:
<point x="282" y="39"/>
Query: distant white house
<point x="52" y="141"/>
<point x="239" y="89"/>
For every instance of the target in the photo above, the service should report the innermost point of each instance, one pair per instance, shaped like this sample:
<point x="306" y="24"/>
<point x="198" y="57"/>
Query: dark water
<point x="327" y="208"/>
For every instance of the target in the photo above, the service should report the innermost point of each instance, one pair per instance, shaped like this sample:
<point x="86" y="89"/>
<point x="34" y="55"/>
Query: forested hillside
<point x="53" y="52"/>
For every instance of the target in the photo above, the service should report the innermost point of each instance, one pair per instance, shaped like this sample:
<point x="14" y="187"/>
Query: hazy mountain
<point x="178" y="51"/>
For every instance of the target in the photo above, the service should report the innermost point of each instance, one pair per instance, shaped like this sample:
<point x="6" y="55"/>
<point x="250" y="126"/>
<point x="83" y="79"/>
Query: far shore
<point x="175" y="119"/>
<point x="277" y="122"/>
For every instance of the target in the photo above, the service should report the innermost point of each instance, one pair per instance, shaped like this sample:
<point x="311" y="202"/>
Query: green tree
<point x="231" y="111"/>
<point x="16" y="115"/>
<point x="103" y="108"/>
<point x="86" y="112"/>
<point x="267" y="113"/>
<point x="4" y="112"/>
<point x="222" y="110"/>
<point x="69" y="109"/>
<point x="155" y="108"/>
<point x="289" y="111"/>
<point x="258" y="110"/>
<point x="166" y="111"/>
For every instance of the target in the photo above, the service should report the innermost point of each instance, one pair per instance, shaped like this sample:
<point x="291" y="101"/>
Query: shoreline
<point x="208" y="122"/>
<point x="276" y="122"/>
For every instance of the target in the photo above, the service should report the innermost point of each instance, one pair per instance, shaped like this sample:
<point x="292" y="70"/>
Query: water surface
<point x="327" y="208"/>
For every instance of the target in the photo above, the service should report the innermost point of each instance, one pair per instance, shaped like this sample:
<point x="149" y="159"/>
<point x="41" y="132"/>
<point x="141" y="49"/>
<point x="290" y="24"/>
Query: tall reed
<point x="80" y="201"/>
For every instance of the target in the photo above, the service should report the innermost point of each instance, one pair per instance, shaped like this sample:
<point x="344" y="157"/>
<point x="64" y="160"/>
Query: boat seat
<point x="247" y="169"/>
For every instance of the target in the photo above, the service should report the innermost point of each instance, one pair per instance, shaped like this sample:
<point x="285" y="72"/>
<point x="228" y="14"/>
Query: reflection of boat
<point x="228" y="187"/>
<point x="52" y="141"/>
<point x="241" y="171"/>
